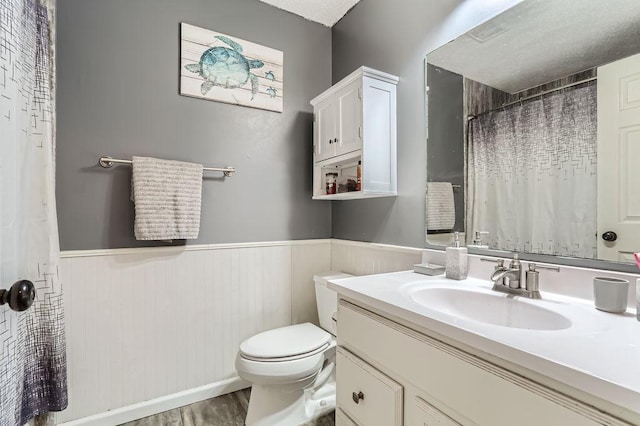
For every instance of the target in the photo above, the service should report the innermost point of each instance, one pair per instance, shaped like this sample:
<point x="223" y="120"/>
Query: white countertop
<point x="598" y="354"/>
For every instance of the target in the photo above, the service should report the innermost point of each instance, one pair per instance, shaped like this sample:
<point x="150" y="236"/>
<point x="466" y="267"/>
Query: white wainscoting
<point x="359" y="258"/>
<point x="150" y="329"/>
<point x="150" y="322"/>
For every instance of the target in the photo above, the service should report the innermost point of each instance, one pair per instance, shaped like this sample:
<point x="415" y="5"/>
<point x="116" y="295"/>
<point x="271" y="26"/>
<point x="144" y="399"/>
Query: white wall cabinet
<point x="441" y="384"/>
<point x="355" y="122"/>
<point x="339" y="123"/>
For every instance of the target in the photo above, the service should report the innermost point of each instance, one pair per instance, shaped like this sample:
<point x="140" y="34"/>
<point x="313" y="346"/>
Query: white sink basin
<point x="489" y="308"/>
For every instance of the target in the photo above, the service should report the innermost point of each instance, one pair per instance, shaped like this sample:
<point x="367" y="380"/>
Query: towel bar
<point x="108" y="162"/>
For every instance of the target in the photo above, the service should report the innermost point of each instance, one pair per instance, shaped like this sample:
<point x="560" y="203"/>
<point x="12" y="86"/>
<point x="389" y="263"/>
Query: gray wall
<point x="117" y="76"/>
<point x="445" y="147"/>
<point x="394" y="37"/>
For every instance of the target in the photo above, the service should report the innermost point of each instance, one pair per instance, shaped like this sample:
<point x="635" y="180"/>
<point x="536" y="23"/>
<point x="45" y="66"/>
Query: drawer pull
<point x="357" y="396"/>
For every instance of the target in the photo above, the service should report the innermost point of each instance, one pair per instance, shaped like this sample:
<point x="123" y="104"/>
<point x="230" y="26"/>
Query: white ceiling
<point x="325" y="12"/>
<point x="538" y="41"/>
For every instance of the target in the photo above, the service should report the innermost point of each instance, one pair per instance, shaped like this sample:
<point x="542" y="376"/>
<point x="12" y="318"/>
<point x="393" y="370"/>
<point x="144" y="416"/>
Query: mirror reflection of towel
<point x="441" y="212"/>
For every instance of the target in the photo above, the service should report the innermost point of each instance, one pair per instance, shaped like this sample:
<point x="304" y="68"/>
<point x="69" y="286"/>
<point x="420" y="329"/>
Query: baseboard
<point x="158" y="405"/>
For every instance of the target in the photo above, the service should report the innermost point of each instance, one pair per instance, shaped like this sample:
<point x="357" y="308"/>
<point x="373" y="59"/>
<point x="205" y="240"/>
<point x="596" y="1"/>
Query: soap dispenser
<point x="477" y="241"/>
<point x="456" y="263"/>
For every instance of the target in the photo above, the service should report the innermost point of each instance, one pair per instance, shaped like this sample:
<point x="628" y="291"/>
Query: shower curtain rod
<point x="526" y="98"/>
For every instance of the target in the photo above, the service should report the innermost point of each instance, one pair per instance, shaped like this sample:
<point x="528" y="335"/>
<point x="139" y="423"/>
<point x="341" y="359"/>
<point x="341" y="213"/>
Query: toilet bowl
<point x="292" y="368"/>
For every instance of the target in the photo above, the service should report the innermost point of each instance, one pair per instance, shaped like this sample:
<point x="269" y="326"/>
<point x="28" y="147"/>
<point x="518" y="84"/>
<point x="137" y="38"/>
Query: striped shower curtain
<point x="32" y="345"/>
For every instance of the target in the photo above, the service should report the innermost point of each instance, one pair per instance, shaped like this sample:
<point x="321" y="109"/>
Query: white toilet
<point x="292" y="369"/>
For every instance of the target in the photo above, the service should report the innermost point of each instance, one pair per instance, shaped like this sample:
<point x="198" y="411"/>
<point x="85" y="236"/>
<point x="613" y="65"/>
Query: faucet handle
<point x="533" y="268"/>
<point x="500" y="262"/>
<point x="531" y="280"/>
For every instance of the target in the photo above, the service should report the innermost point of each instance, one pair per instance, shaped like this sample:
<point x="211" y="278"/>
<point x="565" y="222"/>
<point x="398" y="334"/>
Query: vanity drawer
<point x="343" y="420"/>
<point x="365" y="394"/>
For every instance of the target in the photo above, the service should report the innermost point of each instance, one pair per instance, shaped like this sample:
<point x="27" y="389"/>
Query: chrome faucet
<point x="508" y="280"/>
<point x="509" y="277"/>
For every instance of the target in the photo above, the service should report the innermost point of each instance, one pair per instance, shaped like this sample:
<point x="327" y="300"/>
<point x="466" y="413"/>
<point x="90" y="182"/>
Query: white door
<point x="619" y="159"/>
<point x="349" y="119"/>
<point x="325" y="130"/>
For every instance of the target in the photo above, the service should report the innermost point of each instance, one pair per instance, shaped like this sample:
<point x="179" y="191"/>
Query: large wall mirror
<point x="534" y="132"/>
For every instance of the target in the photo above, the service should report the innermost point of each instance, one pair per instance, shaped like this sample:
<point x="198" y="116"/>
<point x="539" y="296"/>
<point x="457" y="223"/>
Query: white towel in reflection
<point x="441" y="211"/>
<point x="167" y="196"/>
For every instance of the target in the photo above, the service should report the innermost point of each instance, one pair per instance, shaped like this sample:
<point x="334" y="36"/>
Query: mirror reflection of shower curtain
<point x="531" y="175"/>
<point x="32" y="344"/>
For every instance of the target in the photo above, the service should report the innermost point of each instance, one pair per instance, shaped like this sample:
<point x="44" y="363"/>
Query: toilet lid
<point x="285" y="341"/>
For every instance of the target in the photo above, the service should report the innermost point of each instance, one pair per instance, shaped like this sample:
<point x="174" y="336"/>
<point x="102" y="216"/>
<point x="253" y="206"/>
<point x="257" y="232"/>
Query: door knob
<point x="609" y="236"/>
<point x="20" y="296"/>
<point x="357" y="396"/>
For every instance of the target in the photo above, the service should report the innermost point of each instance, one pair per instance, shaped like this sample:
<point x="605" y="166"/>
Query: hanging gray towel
<point x="167" y="196"/>
<point x="441" y="212"/>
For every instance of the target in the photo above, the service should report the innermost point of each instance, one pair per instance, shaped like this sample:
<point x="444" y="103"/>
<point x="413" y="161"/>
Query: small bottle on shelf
<point x="330" y="180"/>
<point x="359" y="176"/>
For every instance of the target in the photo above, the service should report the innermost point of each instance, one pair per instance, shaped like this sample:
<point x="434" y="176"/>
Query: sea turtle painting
<point x="226" y="67"/>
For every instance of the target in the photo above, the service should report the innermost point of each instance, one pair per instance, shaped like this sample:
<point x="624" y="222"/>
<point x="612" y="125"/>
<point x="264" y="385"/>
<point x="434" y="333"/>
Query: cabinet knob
<point x="335" y="140"/>
<point x="357" y="396"/>
<point x="609" y="236"/>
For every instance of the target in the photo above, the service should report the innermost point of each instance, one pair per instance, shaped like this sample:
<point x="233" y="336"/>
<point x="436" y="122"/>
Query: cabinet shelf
<point x="355" y="123"/>
<point x="352" y="195"/>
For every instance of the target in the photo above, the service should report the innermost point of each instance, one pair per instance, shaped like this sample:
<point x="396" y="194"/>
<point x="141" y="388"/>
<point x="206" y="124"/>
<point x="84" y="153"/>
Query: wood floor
<point x="225" y="410"/>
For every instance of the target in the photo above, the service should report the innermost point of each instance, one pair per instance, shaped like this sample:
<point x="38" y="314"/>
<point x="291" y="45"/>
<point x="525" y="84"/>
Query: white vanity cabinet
<point x="441" y="384"/>
<point x="355" y="123"/>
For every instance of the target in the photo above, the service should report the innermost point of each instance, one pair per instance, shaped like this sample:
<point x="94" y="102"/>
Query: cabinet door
<point x="349" y="119"/>
<point x="365" y="394"/>
<point x="325" y="130"/>
<point x="343" y="420"/>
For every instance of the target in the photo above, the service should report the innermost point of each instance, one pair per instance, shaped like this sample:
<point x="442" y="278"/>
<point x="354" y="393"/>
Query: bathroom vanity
<point x="419" y="350"/>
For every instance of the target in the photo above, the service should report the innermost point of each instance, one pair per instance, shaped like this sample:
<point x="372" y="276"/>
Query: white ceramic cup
<point x="610" y="294"/>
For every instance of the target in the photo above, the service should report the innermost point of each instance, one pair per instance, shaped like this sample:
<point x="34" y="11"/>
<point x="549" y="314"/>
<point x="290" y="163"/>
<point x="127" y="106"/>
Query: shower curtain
<point x="532" y="175"/>
<point x="32" y="344"/>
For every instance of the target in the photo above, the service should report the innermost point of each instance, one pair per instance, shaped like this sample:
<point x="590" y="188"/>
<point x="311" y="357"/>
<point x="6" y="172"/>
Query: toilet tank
<point x="327" y="299"/>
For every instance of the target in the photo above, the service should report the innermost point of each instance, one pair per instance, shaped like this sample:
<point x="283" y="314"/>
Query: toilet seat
<point x="286" y="343"/>
<point x="287" y="358"/>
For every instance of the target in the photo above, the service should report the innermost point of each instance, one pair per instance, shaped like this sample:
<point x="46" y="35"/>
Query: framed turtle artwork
<point x="224" y="68"/>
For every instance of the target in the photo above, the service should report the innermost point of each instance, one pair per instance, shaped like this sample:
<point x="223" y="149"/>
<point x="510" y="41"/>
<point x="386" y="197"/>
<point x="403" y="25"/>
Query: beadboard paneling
<point x="359" y="258"/>
<point x="144" y="323"/>
<point x="149" y="322"/>
<point x="307" y="260"/>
